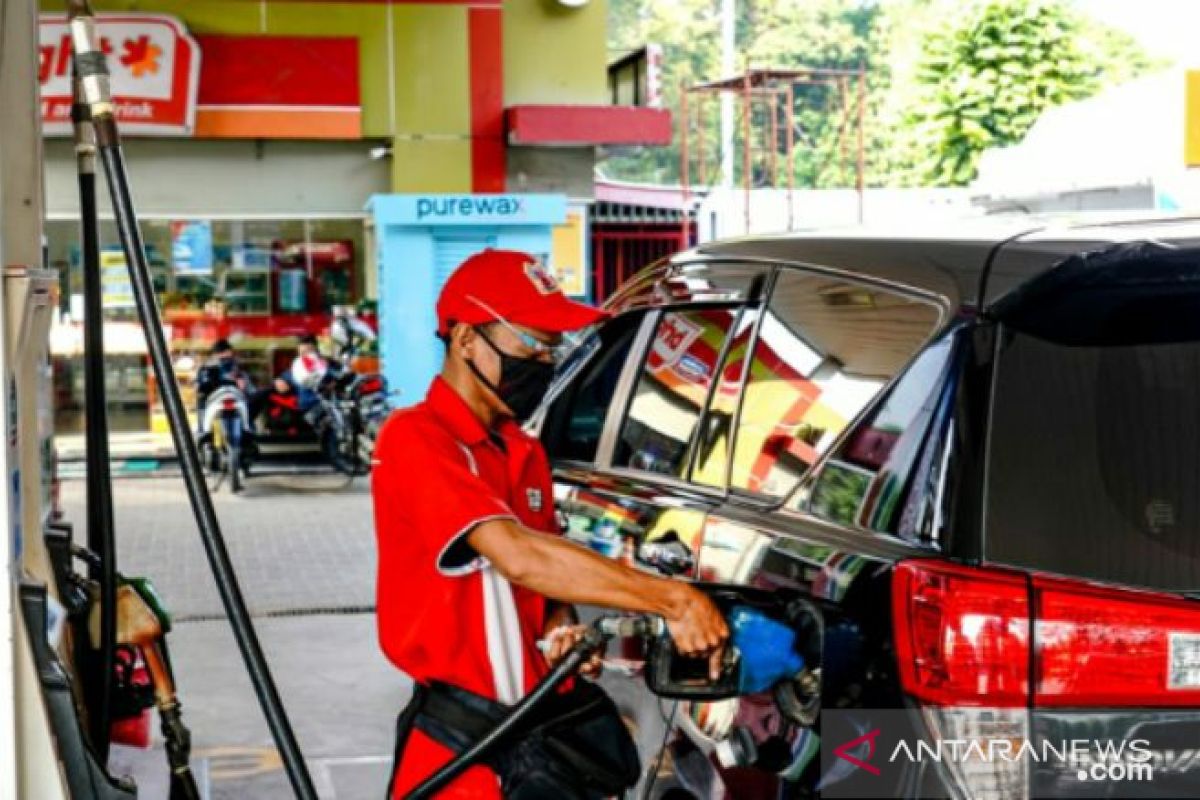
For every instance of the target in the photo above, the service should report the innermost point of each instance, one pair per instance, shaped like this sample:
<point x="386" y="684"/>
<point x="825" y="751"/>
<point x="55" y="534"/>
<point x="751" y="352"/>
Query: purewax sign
<point x="478" y="209"/>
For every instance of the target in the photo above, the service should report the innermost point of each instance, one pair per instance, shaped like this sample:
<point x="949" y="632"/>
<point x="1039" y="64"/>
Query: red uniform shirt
<point x="444" y="613"/>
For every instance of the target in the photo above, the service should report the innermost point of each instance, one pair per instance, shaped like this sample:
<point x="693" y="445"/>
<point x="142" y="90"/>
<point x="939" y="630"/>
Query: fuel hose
<point x="93" y="77"/>
<point x="565" y="668"/>
<point x="97" y="680"/>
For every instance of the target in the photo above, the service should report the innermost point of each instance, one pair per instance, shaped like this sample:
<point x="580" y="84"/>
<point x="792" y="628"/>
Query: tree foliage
<point x="945" y="80"/>
<point x="987" y="79"/>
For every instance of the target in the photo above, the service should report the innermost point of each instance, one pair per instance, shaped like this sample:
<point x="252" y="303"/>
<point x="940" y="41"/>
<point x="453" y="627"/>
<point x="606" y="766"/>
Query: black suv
<point x="966" y="466"/>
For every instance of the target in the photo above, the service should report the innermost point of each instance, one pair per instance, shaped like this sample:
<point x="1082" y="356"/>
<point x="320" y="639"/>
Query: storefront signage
<point x="279" y="87"/>
<point x="477" y="209"/>
<point x="155" y="68"/>
<point x="116" y="290"/>
<point x="192" y="245"/>
<point x="483" y="206"/>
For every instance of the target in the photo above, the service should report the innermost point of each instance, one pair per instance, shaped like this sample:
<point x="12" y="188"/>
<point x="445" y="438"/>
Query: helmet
<point x="307" y="371"/>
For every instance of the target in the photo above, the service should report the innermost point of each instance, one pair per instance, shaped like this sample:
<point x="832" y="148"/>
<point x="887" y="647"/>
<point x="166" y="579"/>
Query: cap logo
<point x="540" y="277"/>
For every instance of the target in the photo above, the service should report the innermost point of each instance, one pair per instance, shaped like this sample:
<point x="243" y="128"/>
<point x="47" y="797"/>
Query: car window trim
<point x="624" y="392"/>
<point x="765" y="306"/>
<point x="618" y="408"/>
<point x="659" y="480"/>
<point x="718" y="367"/>
<point x="754" y="293"/>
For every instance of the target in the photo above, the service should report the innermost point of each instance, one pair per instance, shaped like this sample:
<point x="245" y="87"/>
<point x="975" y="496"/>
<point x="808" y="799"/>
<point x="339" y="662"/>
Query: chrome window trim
<point x="619" y="406"/>
<point x="751" y="349"/>
<point x="708" y="494"/>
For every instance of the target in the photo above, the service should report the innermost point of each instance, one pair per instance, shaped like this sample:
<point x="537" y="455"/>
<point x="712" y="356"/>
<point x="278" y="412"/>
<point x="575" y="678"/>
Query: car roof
<point x="969" y="262"/>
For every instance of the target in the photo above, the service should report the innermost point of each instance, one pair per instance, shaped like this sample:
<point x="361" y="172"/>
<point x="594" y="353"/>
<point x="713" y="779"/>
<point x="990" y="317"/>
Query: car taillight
<point x="981" y="648"/>
<point x="963" y="644"/>
<point x="1111" y="647"/>
<point x="962" y="634"/>
<point x="965" y="636"/>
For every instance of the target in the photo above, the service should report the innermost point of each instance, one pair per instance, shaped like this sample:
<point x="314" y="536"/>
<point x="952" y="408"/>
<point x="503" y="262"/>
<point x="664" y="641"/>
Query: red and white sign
<point x="675" y="336"/>
<point x="155" y="69"/>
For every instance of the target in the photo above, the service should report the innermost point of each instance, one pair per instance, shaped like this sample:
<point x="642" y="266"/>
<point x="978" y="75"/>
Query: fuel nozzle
<point x="765" y="647"/>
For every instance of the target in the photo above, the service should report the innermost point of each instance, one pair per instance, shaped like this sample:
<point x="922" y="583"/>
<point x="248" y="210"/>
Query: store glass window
<point x="825" y="349"/>
<point x="660" y="427"/>
<point x="258" y="282"/>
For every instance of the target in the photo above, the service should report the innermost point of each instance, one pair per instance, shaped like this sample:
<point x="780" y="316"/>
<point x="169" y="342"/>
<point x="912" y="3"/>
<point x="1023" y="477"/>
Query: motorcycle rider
<point x="308" y="369"/>
<point x="303" y="379"/>
<point x="223" y="368"/>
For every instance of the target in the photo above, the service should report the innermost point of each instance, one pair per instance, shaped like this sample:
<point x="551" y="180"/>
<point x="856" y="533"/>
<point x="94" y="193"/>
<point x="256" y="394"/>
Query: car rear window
<point x="1095" y="461"/>
<point x="1094" y="450"/>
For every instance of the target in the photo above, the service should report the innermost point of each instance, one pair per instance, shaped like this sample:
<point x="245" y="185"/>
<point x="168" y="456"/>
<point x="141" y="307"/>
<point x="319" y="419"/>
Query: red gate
<point x="620" y="250"/>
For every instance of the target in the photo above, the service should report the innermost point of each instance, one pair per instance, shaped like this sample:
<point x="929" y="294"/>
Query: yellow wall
<point x="1192" y="120"/>
<point x="417" y="91"/>
<point x="554" y="54"/>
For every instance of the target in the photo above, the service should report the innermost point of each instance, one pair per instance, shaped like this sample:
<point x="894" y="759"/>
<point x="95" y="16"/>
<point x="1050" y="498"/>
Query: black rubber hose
<point x="100" y="537"/>
<point x="474" y="754"/>
<point x="206" y="518"/>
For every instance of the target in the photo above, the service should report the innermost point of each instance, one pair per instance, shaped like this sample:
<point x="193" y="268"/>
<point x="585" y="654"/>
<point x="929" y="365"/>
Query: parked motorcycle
<point x="319" y="426"/>
<point x="226" y="440"/>
<point x="343" y="418"/>
<point x="363" y="400"/>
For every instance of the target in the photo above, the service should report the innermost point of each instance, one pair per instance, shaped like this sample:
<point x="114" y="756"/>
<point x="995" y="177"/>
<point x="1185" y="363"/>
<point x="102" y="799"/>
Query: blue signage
<point x="192" y="246"/>
<point x="471" y="209"/>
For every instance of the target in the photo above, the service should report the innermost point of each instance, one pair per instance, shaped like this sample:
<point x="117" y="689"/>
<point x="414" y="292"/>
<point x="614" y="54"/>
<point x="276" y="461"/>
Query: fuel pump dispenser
<point x="80" y="628"/>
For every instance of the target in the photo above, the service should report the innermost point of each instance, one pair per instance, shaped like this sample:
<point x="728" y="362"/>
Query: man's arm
<point x="565" y="571"/>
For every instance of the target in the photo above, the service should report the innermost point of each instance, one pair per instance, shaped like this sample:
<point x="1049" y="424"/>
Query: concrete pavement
<point x="306" y="563"/>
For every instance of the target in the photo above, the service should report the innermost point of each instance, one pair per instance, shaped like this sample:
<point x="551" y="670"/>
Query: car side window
<point x="865" y="481"/>
<point x="825" y="349"/>
<point x="658" y="431"/>
<point x="575" y="419"/>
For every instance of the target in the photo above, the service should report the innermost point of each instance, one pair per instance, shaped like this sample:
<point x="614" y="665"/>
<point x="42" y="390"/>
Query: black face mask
<point x="523" y="381"/>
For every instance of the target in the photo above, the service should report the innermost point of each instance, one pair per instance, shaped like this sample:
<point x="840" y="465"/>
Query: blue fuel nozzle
<point x="766" y="647"/>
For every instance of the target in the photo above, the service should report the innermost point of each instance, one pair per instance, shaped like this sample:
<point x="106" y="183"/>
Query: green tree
<point x="945" y="79"/>
<point x="985" y="81"/>
<point x="770" y="33"/>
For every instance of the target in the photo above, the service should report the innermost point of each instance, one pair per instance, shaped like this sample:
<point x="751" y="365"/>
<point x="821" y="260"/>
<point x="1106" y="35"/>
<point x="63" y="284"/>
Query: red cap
<point x="512" y="285"/>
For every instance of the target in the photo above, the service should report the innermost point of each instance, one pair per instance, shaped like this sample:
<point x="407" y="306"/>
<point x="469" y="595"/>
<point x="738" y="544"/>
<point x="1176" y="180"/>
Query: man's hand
<point x="698" y="628"/>
<point x="559" y="641"/>
<point x="566" y="571"/>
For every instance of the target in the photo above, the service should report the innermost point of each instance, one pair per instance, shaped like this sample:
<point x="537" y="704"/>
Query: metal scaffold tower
<point x="776" y="93"/>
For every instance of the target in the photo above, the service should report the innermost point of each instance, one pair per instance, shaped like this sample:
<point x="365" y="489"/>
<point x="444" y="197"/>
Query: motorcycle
<point x="226" y="440"/>
<point x="363" y="401"/>
<point x="342" y="421"/>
